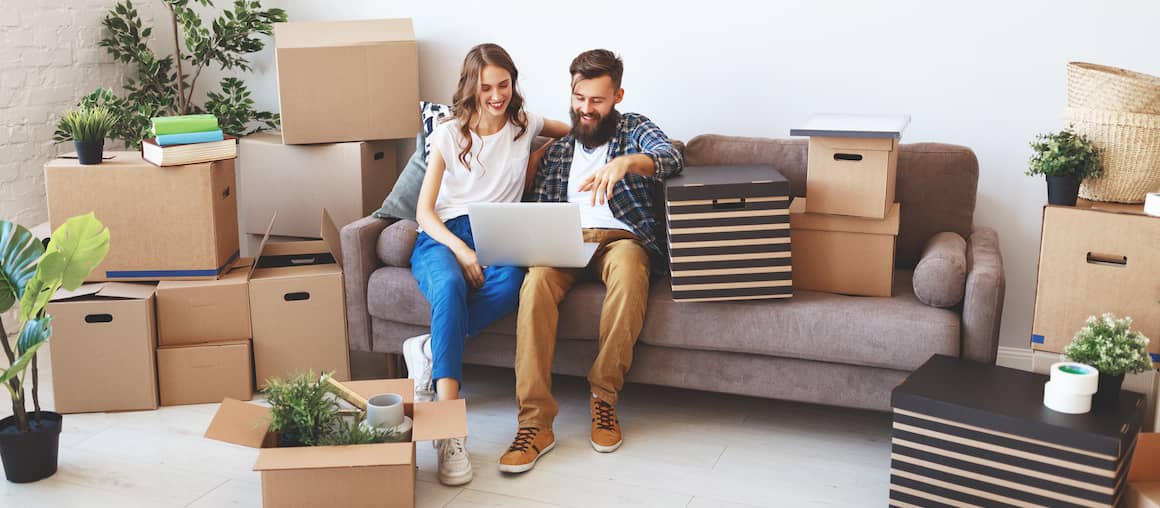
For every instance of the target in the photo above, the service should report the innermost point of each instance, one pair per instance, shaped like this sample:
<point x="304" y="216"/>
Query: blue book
<point x="189" y="138"/>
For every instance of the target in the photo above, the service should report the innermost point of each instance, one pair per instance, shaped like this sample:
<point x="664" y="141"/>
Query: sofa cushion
<point x="404" y="195"/>
<point x="941" y="274"/>
<point x="396" y="243"/>
<point x="899" y="332"/>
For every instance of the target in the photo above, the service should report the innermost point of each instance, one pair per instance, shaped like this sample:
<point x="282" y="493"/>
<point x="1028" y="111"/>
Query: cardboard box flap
<point x="262" y="246"/>
<point x="240" y="423"/>
<point x="303" y="253"/>
<point x="1146" y="460"/>
<point x="853" y="126"/>
<point x="330" y="236"/>
<point x="799" y="219"/>
<point x="342" y="33"/>
<point x="323" y="457"/>
<point x="120" y="290"/>
<point x="439" y="420"/>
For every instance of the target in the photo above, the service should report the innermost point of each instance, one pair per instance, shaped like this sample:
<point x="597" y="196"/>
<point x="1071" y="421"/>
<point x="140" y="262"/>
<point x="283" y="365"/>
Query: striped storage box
<point x="729" y="233"/>
<point x="972" y="434"/>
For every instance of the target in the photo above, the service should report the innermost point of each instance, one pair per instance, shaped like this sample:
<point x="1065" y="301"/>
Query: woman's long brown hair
<point x="465" y="102"/>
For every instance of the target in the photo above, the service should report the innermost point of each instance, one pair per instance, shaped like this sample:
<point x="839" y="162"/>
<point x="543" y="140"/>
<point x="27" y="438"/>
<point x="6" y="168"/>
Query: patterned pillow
<point x="432" y="113"/>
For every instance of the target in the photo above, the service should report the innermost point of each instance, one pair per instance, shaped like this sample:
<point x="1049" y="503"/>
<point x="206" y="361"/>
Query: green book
<point x="182" y="124"/>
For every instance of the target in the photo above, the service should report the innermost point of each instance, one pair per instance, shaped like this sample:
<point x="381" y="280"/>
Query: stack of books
<point x="188" y="139"/>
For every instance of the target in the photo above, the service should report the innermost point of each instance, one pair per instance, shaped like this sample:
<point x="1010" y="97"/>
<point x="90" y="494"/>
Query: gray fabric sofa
<point x="816" y="347"/>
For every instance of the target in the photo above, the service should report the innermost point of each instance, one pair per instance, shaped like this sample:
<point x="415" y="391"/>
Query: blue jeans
<point x="457" y="309"/>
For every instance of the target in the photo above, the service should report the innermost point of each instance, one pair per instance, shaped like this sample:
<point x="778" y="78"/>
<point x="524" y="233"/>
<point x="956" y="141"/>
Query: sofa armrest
<point x="359" y="261"/>
<point x="983" y="302"/>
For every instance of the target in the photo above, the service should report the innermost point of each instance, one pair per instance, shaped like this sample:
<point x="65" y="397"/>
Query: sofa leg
<point x="392" y="365"/>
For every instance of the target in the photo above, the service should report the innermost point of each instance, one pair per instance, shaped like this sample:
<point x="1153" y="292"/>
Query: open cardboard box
<point x="380" y="475"/>
<point x="1144" y="476"/>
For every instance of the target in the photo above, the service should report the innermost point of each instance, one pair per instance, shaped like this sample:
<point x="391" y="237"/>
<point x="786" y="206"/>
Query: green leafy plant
<point x="1064" y="153"/>
<point x="303" y="409"/>
<point x="30" y="274"/>
<point x="1110" y="345"/>
<point x="87" y="124"/>
<point x="347" y="433"/>
<point x="163" y="87"/>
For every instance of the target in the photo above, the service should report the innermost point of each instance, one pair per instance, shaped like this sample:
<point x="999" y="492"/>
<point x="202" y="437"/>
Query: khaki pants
<point x="622" y="263"/>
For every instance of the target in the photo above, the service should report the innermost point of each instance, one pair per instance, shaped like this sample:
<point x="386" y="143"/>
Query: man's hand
<point x="602" y="181"/>
<point x="469" y="262"/>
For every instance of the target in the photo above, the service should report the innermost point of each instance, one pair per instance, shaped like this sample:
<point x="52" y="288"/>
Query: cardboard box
<point x="103" y="338"/>
<point x="205" y="373"/>
<point x="378" y="475"/>
<point x="851" y="176"/>
<point x="1146" y="383"/>
<point x="1144" y="476"/>
<point x="298" y="307"/>
<point x="1093" y="261"/>
<point x="729" y="233"/>
<point x="840" y="254"/>
<point x="349" y="180"/>
<point x="347" y="80"/>
<point x="192" y="312"/>
<point x="171" y="223"/>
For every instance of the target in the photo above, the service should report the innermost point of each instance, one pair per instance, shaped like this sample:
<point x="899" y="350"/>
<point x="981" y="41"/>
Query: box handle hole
<point x="1097" y="258"/>
<point x="296" y="297"/>
<point x="226" y="193"/>
<point x="303" y="260"/>
<point x="99" y="318"/>
<point x="722" y="204"/>
<point x="847" y="157"/>
<point x="379" y="156"/>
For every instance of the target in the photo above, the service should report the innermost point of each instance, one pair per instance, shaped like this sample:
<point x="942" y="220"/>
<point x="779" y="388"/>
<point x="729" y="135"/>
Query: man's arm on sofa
<point x="983" y="303"/>
<point x="359" y="261"/>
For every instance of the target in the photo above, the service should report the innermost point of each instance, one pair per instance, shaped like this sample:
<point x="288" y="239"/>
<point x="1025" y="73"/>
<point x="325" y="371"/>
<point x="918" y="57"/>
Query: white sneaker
<point x="417" y="354"/>
<point x="454" y="465"/>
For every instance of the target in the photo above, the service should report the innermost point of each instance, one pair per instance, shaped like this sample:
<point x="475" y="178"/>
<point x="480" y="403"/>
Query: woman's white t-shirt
<point x="498" y="165"/>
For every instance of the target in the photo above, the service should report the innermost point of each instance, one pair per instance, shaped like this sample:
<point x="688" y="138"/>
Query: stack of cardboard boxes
<point x="1096" y="258"/>
<point x="843" y="235"/>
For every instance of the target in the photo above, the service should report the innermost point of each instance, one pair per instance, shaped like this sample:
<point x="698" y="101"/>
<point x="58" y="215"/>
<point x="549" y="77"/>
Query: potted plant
<point x="1066" y="159"/>
<point x="1112" y="347"/>
<point x="30" y="274"/>
<point x="86" y="127"/>
<point x="305" y="411"/>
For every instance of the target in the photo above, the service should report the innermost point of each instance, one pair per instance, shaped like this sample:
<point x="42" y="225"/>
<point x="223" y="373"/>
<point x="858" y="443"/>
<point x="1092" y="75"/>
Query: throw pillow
<point x="396" y="243"/>
<point x="432" y="114"/>
<point x="941" y="274"/>
<point x="402" y="201"/>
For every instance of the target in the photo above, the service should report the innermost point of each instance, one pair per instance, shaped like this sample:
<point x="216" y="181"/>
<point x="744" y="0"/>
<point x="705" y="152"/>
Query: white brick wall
<point x="49" y="59"/>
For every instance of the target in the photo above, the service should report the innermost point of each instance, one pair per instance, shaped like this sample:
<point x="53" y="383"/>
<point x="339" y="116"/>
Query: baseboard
<point x="1014" y="357"/>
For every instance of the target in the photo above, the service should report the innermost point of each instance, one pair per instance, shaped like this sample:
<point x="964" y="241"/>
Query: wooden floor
<point x="682" y="448"/>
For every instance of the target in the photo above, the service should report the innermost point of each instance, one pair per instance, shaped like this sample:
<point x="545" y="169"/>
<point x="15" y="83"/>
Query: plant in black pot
<point x="1112" y="347"/>
<point x="30" y="274"/>
<point x="1066" y="159"/>
<point x="86" y="127"/>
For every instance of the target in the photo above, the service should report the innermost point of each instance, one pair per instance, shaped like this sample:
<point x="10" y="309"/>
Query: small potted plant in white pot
<point x="1065" y="159"/>
<point x="1112" y="347"/>
<point x="86" y="128"/>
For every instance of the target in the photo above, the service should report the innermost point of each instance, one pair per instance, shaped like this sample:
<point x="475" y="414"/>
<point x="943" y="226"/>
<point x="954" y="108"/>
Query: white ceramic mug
<point x="385" y="410"/>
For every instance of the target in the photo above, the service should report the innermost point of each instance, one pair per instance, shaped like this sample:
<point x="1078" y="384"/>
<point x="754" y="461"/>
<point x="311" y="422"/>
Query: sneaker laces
<point x="524" y="438"/>
<point x="453" y="447"/>
<point x="604" y="415"/>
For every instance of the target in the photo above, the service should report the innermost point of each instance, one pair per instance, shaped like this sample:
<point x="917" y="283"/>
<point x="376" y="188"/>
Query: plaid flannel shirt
<point x="632" y="200"/>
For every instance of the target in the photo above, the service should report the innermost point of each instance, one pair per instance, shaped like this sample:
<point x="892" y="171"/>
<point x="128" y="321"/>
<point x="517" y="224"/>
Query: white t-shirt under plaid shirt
<point x="498" y="165"/>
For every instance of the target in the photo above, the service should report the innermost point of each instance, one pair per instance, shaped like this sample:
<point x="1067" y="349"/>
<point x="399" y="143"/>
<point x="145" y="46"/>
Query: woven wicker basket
<point x="1094" y="86"/>
<point x="1130" y="148"/>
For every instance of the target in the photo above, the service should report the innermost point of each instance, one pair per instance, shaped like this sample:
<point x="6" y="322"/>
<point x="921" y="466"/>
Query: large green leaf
<point x="19" y="251"/>
<point x="83" y="241"/>
<point x="20" y="364"/>
<point x="41" y="287"/>
<point x="34" y="332"/>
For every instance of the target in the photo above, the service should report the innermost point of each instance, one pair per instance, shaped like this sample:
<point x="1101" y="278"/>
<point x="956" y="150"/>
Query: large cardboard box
<point x="349" y="180"/>
<point x="851" y="176"/>
<point x="1093" y="261"/>
<point x="1146" y="383"/>
<point x="179" y="222"/>
<point x="375" y="475"/>
<point x="103" y="338"/>
<point x="205" y="373"/>
<point x="192" y="312"/>
<point x="840" y="254"/>
<point x="729" y="233"/>
<point x="1144" y="476"/>
<point x="347" y="80"/>
<point x="298" y="307"/>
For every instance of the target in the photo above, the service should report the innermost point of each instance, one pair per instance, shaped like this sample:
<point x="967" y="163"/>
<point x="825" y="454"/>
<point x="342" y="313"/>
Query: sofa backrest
<point x="936" y="185"/>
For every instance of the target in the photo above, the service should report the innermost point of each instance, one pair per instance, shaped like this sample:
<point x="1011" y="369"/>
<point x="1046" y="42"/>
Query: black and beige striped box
<point x="729" y="233"/>
<point x="972" y="434"/>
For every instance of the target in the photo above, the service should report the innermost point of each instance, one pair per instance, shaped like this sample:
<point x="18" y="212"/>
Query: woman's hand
<point x="469" y="262"/>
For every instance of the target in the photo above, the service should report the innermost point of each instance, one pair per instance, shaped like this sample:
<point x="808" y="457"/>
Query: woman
<point x="480" y="155"/>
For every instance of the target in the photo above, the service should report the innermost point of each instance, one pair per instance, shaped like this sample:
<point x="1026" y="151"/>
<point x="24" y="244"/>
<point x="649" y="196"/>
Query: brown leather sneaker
<point x="605" y="426"/>
<point x="530" y="444"/>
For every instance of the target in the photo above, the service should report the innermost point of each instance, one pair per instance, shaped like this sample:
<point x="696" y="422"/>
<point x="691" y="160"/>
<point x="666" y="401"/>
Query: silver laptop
<point x="529" y="234"/>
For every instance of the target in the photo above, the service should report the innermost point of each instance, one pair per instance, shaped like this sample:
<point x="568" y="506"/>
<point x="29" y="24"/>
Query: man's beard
<point x="597" y="135"/>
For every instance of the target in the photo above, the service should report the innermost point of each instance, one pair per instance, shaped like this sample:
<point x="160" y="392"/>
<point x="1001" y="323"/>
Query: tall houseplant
<point x="1065" y="159"/>
<point x="166" y="85"/>
<point x="30" y="274"/>
<point x="1113" y="348"/>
